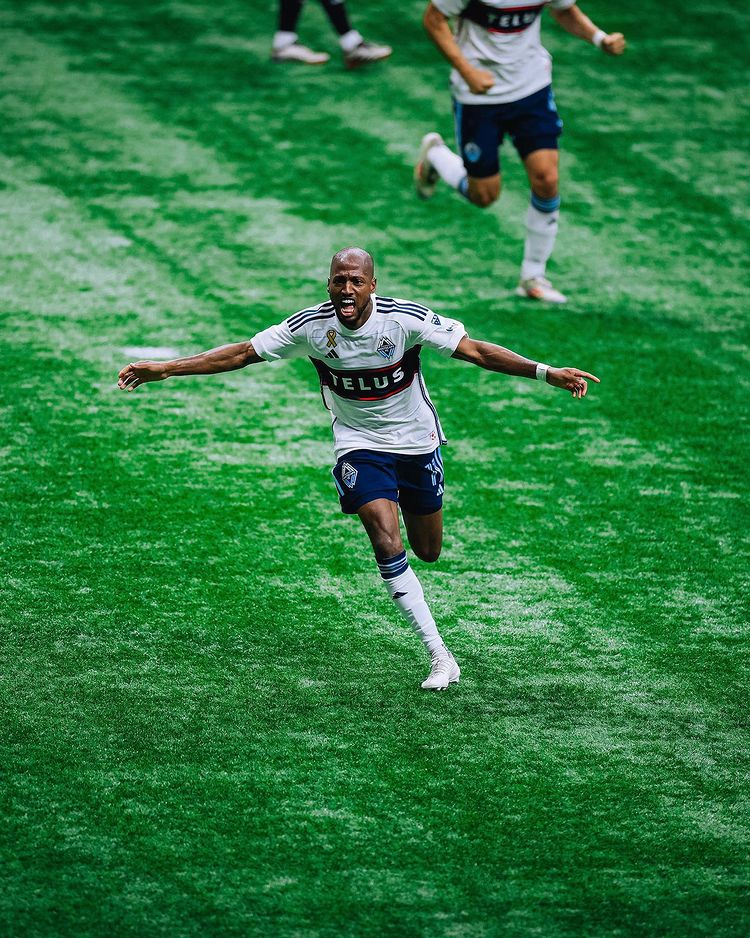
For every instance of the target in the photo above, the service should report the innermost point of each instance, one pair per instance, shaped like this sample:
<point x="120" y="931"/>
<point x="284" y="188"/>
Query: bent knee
<point x="545" y="184"/>
<point x="483" y="192"/>
<point x="429" y="554"/>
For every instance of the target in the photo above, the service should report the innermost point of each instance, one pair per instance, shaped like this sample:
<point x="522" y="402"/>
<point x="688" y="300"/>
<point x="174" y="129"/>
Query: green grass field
<point x="211" y="720"/>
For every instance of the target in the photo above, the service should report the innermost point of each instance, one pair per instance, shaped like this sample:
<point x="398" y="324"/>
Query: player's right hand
<point x="479" y="80"/>
<point x="137" y="373"/>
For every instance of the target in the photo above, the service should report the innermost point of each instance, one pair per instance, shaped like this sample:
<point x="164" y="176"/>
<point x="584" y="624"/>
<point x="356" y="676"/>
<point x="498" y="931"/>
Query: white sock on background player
<point x="282" y="39"/>
<point x="541" y="231"/>
<point x="350" y="40"/>
<point x="406" y="591"/>
<point x="449" y="166"/>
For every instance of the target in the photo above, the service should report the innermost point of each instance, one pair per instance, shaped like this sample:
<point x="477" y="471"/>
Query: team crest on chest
<point x="348" y="475"/>
<point x="386" y="348"/>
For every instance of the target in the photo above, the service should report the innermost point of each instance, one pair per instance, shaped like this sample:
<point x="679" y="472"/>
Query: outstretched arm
<point x="496" y="358"/>
<point x="578" y="24"/>
<point x="438" y="29"/>
<point x="214" y="361"/>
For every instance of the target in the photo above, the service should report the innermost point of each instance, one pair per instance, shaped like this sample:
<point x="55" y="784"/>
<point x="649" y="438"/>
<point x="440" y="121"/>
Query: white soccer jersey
<point x="502" y="37"/>
<point x="370" y="378"/>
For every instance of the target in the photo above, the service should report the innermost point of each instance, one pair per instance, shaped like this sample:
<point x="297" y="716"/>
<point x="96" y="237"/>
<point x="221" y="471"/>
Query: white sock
<point x="541" y="231"/>
<point x="283" y="39"/>
<point x="349" y="41"/>
<point x="406" y="591"/>
<point x="450" y="167"/>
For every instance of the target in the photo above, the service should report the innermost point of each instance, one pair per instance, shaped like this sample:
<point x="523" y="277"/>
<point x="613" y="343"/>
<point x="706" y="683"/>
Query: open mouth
<point x="347" y="306"/>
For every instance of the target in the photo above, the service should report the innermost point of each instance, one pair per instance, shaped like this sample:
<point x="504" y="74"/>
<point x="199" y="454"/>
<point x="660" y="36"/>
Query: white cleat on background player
<point x="295" y="52"/>
<point x="539" y="288"/>
<point x="425" y="174"/>
<point x="365" y="53"/>
<point x="444" y="671"/>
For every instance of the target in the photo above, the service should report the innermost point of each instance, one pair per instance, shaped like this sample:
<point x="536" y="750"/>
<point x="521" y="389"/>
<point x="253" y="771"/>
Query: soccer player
<point x="356" y="51"/>
<point x="501" y="84"/>
<point x="387" y="434"/>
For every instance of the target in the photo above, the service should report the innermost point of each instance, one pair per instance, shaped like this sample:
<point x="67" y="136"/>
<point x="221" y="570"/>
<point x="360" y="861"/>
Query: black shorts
<point x="415" y="482"/>
<point x="532" y="124"/>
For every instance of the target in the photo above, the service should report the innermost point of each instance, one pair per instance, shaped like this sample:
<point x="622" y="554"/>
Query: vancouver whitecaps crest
<point x="348" y="475"/>
<point x="386" y="348"/>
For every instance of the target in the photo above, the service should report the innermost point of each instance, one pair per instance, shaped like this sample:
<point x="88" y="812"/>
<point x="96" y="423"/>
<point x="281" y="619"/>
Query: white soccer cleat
<point x="444" y="671"/>
<point x="366" y="53"/>
<point x="425" y="174"/>
<point x="299" y="53"/>
<point x="539" y="288"/>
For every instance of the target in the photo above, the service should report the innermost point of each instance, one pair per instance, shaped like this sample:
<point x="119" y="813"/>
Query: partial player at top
<point x="501" y="83"/>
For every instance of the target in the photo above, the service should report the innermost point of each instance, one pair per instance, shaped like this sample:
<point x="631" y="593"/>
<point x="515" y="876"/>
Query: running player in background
<point x="354" y="48"/>
<point x="387" y="434"/>
<point x="501" y="83"/>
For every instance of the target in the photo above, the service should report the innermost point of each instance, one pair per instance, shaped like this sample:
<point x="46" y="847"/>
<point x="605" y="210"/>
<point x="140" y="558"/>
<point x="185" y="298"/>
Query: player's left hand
<point x="614" y="44"/>
<point x="570" y="379"/>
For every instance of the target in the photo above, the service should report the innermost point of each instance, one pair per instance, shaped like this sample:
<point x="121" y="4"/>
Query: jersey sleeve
<point x="440" y="333"/>
<point x="560" y="4"/>
<point x="280" y="342"/>
<point x="450" y="7"/>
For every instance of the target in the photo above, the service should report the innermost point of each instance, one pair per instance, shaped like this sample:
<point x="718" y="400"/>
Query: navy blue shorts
<point x="415" y="482"/>
<point x="532" y="124"/>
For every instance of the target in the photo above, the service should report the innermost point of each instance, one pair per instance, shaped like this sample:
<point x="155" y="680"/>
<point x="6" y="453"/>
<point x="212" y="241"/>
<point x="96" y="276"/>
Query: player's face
<point x="350" y="288"/>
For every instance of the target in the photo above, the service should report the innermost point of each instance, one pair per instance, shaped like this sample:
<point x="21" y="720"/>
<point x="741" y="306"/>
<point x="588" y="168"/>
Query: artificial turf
<point x="212" y="723"/>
